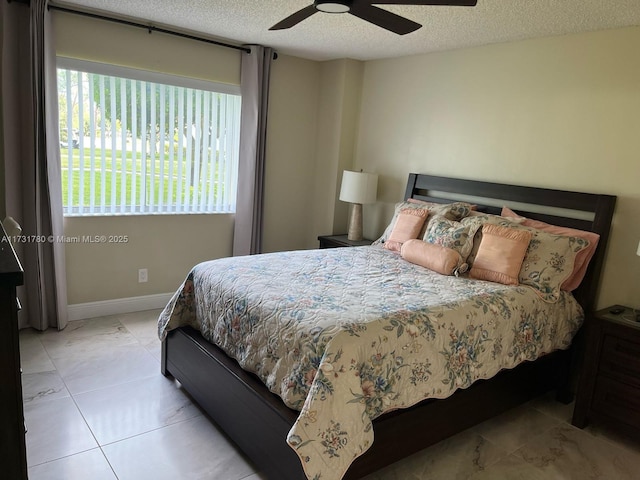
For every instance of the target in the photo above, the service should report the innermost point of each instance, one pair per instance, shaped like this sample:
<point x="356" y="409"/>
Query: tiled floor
<point x="97" y="407"/>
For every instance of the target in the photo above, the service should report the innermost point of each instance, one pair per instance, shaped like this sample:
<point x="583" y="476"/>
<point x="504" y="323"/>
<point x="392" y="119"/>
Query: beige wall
<point x="340" y="88"/>
<point x="169" y="245"/>
<point x="311" y="139"/>
<point x="561" y="112"/>
<point x="166" y="245"/>
<point x="291" y="156"/>
<point x="100" y="41"/>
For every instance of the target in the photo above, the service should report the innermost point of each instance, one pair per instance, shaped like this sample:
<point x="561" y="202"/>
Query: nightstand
<point x="609" y="386"/>
<point x="334" y="241"/>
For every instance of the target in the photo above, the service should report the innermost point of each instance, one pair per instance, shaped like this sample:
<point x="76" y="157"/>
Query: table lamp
<point x="357" y="188"/>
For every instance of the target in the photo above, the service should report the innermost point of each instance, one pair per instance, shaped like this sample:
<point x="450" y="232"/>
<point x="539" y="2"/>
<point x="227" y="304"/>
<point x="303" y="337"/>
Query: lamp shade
<point x="638" y="252"/>
<point x="358" y="187"/>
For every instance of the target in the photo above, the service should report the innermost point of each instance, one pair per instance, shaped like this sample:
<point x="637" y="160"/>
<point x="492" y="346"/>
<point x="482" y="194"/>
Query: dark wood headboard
<point x="584" y="211"/>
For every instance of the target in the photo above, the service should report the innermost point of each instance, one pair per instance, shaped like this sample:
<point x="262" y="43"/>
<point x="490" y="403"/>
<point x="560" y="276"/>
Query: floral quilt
<point x="344" y="335"/>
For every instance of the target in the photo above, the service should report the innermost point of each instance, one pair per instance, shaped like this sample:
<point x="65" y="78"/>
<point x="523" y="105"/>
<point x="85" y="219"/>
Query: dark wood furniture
<point x="258" y="421"/>
<point x="13" y="454"/>
<point x="609" y="388"/>
<point x="335" y="241"/>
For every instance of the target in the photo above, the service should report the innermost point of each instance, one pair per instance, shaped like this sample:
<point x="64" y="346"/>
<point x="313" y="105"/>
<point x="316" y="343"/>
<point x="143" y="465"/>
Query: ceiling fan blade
<point x="452" y="3"/>
<point x="294" y="19"/>
<point x="385" y="19"/>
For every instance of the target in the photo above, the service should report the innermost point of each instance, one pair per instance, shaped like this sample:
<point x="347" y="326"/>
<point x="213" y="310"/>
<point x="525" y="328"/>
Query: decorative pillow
<point x="450" y="234"/>
<point x="434" y="257"/>
<point x="500" y="255"/>
<point x="408" y="225"/>
<point x="582" y="258"/>
<point x="398" y="208"/>
<point x="476" y="220"/>
<point x="451" y="211"/>
<point x="549" y="262"/>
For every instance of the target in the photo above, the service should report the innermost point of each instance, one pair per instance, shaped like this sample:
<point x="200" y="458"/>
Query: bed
<point x="303" y="425"/>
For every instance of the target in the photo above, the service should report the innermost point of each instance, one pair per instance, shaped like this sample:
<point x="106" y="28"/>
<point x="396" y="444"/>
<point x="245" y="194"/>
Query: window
<point x="135" y="142"/>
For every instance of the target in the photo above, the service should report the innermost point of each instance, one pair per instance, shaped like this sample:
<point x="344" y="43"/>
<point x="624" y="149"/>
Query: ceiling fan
<point x="365" y="10"/>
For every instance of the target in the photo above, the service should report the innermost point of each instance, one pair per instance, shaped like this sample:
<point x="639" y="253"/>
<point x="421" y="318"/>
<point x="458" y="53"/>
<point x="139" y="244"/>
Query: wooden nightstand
<point x="609" y="387"/>
<point x="333" y="241"/>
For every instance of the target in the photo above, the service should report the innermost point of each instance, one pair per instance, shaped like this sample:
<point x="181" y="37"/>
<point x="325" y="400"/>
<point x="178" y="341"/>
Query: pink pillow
<point x="408" y="225"/>
<point x="434" y="257"/>
<point x="500" y="255"/>
<point x="582" y="258"/>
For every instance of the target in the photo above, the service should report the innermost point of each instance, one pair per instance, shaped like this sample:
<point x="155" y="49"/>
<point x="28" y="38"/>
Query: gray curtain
<point x="254" y="86"/>
<point x="32" y="183"/>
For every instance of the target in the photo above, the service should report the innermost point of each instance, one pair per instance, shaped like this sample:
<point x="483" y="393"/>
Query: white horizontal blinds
<point x="135" y="146"/>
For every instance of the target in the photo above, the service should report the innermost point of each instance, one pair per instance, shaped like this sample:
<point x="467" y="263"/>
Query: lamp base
<point x="355" y="222"/>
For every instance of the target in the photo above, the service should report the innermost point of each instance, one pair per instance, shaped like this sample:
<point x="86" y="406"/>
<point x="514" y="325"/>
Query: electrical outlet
<point x="143" y="275"/>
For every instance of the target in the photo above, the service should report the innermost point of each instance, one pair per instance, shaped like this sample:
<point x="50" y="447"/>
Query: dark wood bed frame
<point x="258" y="421"/>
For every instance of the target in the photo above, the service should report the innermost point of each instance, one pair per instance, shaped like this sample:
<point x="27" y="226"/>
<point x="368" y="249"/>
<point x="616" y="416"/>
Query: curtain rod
<point x="150" y="28"/>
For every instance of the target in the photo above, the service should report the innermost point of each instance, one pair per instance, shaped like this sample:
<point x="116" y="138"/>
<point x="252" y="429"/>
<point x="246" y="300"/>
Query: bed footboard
<point x="255" y="419"/>
<point x="258" y="422"/>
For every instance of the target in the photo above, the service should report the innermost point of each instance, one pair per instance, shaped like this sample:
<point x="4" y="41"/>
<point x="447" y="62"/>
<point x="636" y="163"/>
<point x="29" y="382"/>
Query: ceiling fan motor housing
<point x="328" y="6"/>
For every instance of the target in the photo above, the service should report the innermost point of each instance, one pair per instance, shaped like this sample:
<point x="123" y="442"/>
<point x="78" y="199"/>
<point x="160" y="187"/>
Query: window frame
<point x="167" y="79"/>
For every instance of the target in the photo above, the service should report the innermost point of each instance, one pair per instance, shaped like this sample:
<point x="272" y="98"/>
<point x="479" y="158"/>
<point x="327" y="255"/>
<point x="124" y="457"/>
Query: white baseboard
<point x="117" y="306"/>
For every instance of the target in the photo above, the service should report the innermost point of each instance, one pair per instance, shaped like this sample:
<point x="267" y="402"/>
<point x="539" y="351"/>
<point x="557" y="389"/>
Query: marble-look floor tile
<point x="511" y="468"/>
<point x="89" y="465"/>
<point x="41" y="386"/>
<point x="144" y="327"/>
<point x="548" y="405"/>
<point x="33" y="356"/>
<point x="256" y="476"/>
<point x="154" y="348"/>
<point x="55" y="429"/>
<point x="615" y="437"/>
<point x="568" y="452"/>
<point x="129" y="409"/>
<point x="106" y="367"/>
<point x="85" y="337"/>
<point x="516" y="427"/>
<point x="455" y="458"/>
<point x="189" y="450"/>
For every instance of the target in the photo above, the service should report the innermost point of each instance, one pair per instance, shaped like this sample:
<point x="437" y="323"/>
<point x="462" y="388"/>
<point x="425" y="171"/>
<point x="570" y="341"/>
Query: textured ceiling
<point x="325" y="36"/>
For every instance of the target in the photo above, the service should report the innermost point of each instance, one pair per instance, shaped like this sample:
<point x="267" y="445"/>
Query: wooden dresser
<point x="13" y="456"/>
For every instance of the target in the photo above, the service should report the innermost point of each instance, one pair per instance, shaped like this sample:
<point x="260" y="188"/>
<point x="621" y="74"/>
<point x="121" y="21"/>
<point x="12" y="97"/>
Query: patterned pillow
<point x="549" y="262"/>
<point x="451" y="211"/>
<point x="582" y="259"/>
<point x="451" y="234"/>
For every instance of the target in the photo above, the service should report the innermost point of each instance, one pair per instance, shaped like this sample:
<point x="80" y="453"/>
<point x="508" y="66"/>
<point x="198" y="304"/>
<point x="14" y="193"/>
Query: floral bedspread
<point x="344" y="335"/>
